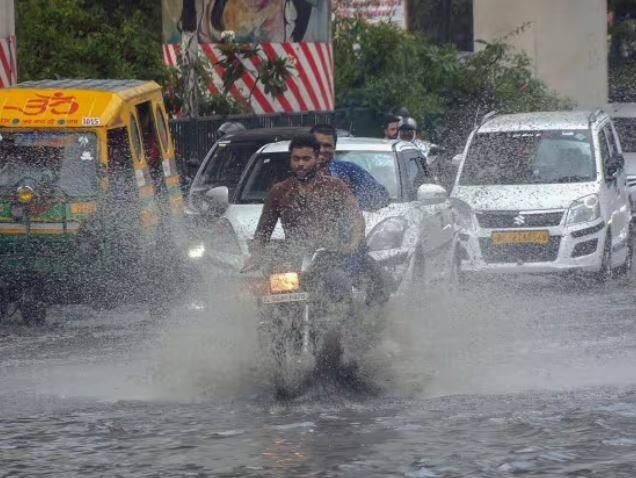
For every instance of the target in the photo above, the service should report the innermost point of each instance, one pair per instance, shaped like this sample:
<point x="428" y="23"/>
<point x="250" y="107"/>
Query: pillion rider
<point x="371" y="195"/>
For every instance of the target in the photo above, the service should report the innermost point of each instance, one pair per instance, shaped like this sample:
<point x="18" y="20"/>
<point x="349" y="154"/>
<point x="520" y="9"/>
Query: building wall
<point x="7" y="18"/>
<point x="566" y="40"/>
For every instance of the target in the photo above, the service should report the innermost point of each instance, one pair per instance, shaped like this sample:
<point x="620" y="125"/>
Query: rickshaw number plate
<point x="520" y="237"/>
<point x="279" y="298"/>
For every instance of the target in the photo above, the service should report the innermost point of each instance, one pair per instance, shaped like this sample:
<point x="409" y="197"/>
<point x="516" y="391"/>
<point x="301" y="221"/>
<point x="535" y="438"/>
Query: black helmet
<point x="229" y="127"/>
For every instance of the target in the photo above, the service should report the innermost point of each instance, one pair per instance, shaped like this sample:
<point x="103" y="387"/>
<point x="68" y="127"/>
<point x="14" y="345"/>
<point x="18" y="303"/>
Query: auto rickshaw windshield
<point x="57" y="162"/>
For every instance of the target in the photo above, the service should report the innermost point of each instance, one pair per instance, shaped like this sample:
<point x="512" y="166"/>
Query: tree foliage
<point x="384" y="68"/>
<point x="89" y="39"/>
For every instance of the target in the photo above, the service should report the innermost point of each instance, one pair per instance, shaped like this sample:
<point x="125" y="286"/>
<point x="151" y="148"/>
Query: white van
<point x="544" y="192"/>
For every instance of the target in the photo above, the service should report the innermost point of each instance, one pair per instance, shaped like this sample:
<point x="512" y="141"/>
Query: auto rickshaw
<point x="90" y="201"/>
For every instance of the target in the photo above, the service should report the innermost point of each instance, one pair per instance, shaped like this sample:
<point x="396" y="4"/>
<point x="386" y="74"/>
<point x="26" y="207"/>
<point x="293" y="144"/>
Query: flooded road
<point x="531" y="377"/>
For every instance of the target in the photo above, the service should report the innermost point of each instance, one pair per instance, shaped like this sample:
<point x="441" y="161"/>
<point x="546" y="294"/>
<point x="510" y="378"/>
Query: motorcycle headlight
<point x="387" y="235"/>
<point x="286" y="282"/>
<point x="586" y="209"/>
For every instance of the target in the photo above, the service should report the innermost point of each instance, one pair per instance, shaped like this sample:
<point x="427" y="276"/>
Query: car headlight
<point x="387" y="235"/>
<point x="196" y="251"/>
<point x="586" y="209"/>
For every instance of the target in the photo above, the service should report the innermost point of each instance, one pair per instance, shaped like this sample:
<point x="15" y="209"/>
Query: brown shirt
<point x="319" y="213"/>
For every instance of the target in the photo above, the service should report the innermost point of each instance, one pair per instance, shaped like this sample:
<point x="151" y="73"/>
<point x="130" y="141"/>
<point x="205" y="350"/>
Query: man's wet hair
<point x="324" y="128"/>
<point x="304" y="141"/>
<point x="390" y="119"/>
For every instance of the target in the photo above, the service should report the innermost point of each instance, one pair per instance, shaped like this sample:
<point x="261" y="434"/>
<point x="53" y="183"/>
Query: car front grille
<point x="513" y="253"/>
<point x="512" y="219"/>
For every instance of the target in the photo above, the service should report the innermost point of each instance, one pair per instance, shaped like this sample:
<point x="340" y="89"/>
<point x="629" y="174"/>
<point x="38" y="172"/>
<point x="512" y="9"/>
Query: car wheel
<point x="606" y="273"/>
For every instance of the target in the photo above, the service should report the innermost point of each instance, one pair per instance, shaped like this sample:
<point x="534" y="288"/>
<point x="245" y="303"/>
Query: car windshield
<point x="56" y="162"/>
<point x="227" y="163"/>
<point x="380" y="164"/>
<point x="529" y="157"/>
<point x="270" y="168"/>
<point x="627" y="133"/>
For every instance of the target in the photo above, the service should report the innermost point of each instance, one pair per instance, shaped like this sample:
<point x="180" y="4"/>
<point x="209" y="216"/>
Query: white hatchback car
<point x="414" y="236"/>
<point x="544" y="192"/>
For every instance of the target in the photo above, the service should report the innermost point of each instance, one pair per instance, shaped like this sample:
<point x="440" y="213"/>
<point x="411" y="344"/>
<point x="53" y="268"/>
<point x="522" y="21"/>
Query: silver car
<point x="414" y="237"/>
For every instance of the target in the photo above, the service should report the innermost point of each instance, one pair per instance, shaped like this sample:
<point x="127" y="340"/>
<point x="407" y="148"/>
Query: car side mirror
<point x="218" y="198"/>
<point x="431" y="193"/>
<point x="457" y="160"/>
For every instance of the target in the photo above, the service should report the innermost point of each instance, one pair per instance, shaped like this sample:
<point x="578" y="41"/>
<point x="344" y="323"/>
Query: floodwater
<point x="531" y="377"/>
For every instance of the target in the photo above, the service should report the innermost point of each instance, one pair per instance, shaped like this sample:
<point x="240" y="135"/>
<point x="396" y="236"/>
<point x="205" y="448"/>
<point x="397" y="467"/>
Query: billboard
<point x="252" y="21"/>
<point x="298" y="30"/>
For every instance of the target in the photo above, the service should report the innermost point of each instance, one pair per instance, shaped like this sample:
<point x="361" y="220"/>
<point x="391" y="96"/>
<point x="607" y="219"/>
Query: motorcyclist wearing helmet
<point x="229" y="127"/>
<point x="407" y="128"/>
<point x="371" y="195"/>
<point x="314" y="208"/>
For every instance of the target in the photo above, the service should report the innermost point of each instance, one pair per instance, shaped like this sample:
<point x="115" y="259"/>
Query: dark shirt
<point x="371" y="195"/>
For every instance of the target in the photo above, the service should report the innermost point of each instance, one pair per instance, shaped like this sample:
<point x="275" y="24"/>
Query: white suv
<point x="544" y="192"/>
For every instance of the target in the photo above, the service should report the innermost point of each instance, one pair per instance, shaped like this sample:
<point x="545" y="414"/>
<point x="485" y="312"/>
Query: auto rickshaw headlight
<point x="286" y="282"/>
<point x="25" y="194"/>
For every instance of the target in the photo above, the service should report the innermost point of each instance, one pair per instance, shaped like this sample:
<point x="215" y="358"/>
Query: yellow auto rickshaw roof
<point x="69" y="103"/>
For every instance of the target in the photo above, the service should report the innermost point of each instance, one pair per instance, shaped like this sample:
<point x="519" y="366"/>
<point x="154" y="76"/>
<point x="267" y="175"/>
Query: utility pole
<point x="189" y="55"/>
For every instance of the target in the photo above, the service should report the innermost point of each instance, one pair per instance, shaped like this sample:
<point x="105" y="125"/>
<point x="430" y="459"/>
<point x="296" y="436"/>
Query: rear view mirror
<point x="431" y="193"/>
<point x="457" y="160"/>
<point x="218" y="199"/>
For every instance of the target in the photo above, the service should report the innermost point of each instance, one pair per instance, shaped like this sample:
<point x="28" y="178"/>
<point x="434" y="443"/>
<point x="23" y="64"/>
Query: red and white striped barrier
<point x="8" y="67"/>
<point x="309" y="88"/>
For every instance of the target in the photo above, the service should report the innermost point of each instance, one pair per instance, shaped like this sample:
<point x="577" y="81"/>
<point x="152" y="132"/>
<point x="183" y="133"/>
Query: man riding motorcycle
<point x="316" y="210"/>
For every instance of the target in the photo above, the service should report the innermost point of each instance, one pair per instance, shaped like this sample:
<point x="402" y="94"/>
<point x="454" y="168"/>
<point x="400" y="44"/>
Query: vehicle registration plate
<point x="520" y="237"/>
<point x="279" y="298"/>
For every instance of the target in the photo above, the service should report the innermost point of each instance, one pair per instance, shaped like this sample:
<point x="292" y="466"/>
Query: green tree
<point x="89" y="39"/>
<point x="383" y="68"/>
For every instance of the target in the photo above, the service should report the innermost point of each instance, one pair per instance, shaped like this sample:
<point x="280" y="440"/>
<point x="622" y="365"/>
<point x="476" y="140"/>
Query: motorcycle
<point x="309" y="317"/>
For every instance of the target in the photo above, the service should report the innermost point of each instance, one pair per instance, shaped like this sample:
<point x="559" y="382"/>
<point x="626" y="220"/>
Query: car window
<point x="265" y="171"/>
<point x="227" y="164"/>
<point x="605" y="151"/>
<point x="611" y="141"/>
<point x="380" y="164"/>
<point x="529" y="157"/>
<point x="626" y="128"/>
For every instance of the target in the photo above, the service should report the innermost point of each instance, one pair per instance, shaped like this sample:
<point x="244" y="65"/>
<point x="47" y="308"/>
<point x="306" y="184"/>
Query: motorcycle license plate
<point x="520" y="237"/>
<point x="280" y="298"/>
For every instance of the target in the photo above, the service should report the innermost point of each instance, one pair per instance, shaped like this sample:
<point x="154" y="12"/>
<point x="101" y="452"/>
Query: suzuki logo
<point x="519" y="220"/>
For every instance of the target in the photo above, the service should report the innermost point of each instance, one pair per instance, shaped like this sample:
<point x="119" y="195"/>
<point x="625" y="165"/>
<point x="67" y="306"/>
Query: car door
<point x="620" y="193"/>
<point x="610" y="191"/>
<point x="437" y="230"/>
